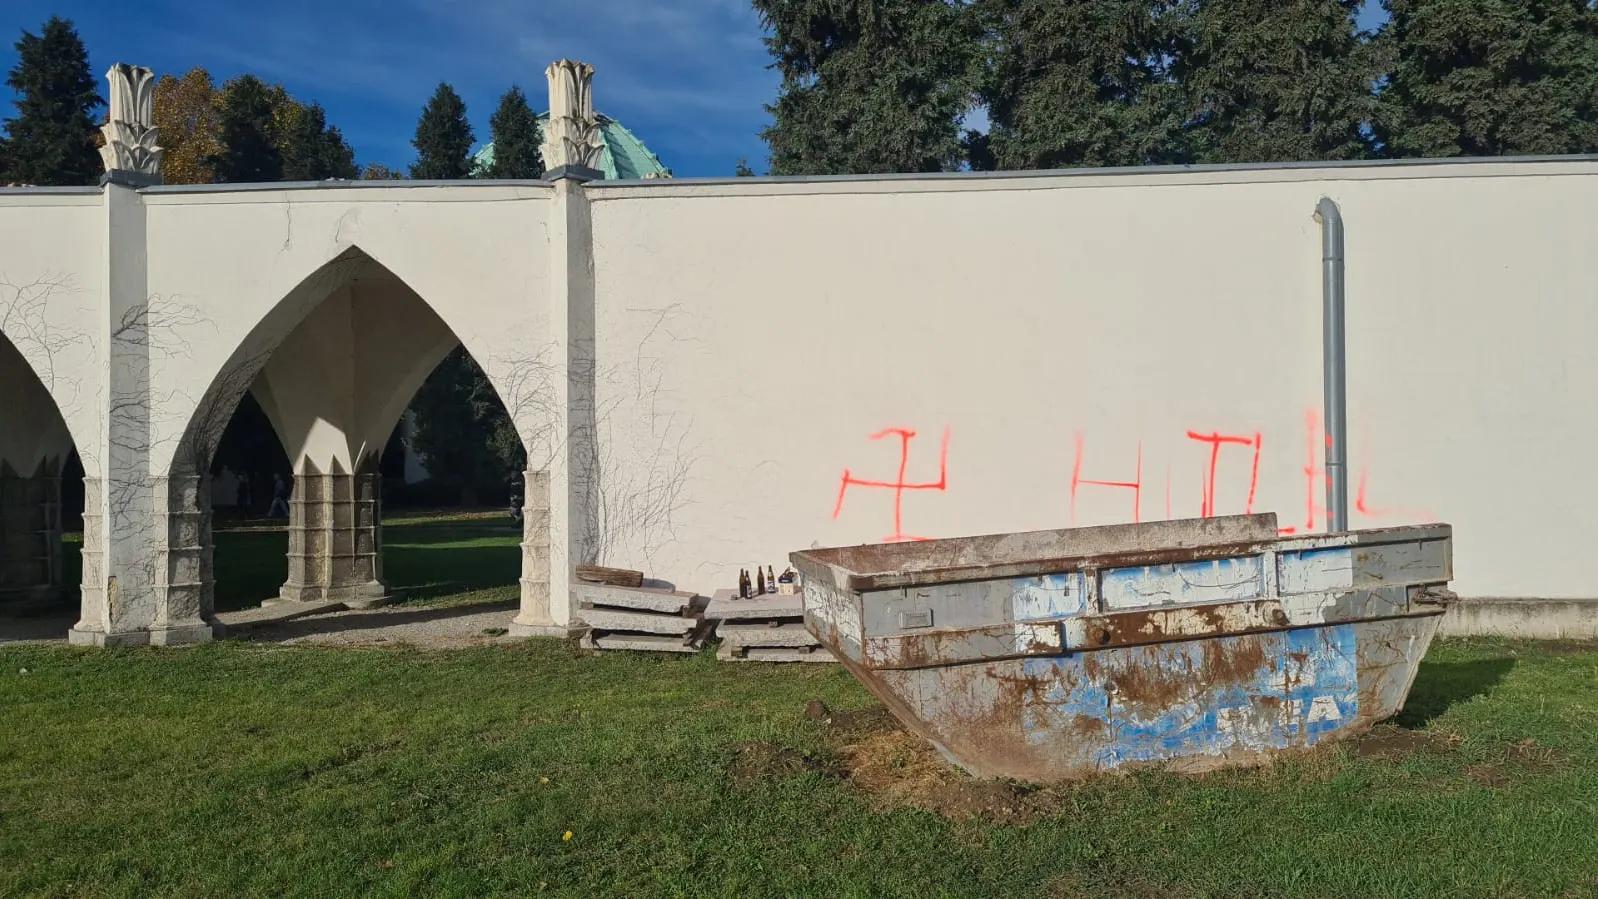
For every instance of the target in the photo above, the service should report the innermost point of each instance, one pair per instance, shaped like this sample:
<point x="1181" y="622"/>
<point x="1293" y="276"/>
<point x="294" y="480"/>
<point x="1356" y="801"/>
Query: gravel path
<point x="446" y="627"/>
<point x="428" y="627"/>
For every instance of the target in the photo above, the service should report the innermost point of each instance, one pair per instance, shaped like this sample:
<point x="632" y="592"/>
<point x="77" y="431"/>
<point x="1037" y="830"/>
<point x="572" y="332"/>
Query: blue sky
<point x="689" y="77"/>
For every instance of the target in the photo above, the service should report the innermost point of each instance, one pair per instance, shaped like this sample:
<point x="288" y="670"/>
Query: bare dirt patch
<point x="1490" y="776"/>
<point x="1520" y="760"/>
<point x="1391" y="743"/>
<point x="1528" y="753"/>
<point x="899" y="769"/>
<point x="1512" y="763"/>
<point x="757" y="760"/>
<point x="1070" y="886"/>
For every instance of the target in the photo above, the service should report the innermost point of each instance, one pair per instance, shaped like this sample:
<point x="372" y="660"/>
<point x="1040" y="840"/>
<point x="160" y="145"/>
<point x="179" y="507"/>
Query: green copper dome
<point x="625" y="157"/>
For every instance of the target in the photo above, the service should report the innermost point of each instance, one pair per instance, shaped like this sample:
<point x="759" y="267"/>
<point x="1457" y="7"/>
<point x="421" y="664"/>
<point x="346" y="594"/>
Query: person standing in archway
<point x="280" y="497"/>
<point x="244" y="494"/>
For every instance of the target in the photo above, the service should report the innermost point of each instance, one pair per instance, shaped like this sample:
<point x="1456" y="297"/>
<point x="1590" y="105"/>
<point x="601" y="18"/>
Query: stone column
<point x="30" y="537"/>
<point x="335" y="537"/>
<point x="536" y="618"/>
<point x="185" y="588"/>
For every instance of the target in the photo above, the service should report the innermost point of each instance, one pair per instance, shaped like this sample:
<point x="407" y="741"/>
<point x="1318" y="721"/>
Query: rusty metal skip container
<point x="1199" y="644"/>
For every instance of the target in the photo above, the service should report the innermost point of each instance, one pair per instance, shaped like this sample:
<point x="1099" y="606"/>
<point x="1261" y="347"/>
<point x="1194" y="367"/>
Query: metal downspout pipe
<point x="1334" y="364"/>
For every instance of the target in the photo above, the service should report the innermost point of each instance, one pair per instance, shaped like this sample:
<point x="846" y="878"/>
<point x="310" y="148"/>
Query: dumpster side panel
<point x="1197" y="705"/>
<point x="973" y="604"/>
<point x="1350" y="567"/>
<point x="833" y="615"/>
<point x="1181" y="583"/>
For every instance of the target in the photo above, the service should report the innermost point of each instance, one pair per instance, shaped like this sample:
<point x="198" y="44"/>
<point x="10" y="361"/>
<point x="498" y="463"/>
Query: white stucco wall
<point x="52" y="277"/>
<point x="767" y="330"/>
<point x="221" y="260"/>
<point x="763" y="345"/>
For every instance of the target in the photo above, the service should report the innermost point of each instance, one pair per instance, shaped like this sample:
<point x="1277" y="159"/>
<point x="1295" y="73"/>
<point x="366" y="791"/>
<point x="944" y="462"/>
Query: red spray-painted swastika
<point x="901" y="485"/>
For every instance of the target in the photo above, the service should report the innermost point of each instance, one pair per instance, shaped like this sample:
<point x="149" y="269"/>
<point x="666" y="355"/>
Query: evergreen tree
<point x="443" y="139"/>
<point x="1079" y="82"/>
<point x="461" y="428"/>
<point x="52" y="140"/>
<point x="1470" y="78"/>
<point x="868" y="86"/>
<point x="312" y="150"/>
<point x="516" y="137"/>
<point x="742" y="170"/>
<point x="1269" y="81"/>
<point x="247" y="134"/>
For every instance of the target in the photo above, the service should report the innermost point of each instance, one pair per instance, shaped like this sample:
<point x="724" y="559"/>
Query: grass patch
<point x="251" y="769"/>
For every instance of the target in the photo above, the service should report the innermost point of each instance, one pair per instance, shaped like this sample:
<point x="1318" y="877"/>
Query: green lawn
<point x="244" y="769"/>
<point x="440" y="558"/>
<point x="465" y="558"/>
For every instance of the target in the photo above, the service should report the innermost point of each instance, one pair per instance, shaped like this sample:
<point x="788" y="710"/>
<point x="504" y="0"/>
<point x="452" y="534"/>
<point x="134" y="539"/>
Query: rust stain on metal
<point x="1183" y="623"/>
<point x="1192" y="686"/>
<point x="1149" y="686"/>
<point x="1236" y="665"/>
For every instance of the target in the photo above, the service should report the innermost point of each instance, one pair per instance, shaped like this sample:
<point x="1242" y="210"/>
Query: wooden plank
<point x="642" y="599"/>
<point x="642" y="622"/>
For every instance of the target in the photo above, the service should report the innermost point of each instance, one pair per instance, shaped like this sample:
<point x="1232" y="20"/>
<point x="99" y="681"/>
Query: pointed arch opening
<point x="312" y="445"/>
<point x="41" y="503"/>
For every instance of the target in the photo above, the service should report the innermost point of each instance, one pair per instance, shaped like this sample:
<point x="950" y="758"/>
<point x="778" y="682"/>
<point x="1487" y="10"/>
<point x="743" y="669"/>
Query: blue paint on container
<point x="1308" y="687"/>
<point x="1046" y="597"/>
<point x="1180" y="583"/>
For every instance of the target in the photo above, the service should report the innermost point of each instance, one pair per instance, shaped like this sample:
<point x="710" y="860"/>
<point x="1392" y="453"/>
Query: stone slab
<point x="642" y="622"/>
<point x="726" y="606"/>
<point x="640" y="598"/>
<point x="791" y="635"/>
<point x="636" y="643"/>
<point x="762" y="654"/>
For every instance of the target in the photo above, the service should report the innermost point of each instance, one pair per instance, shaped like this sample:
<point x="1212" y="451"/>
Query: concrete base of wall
<point x="173" y="636"/>
<point x="1525" y="619"/>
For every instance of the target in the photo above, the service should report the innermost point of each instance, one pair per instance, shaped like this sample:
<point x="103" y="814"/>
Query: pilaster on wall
<point x="560" y="529"/>
<point x="118" y="573"/>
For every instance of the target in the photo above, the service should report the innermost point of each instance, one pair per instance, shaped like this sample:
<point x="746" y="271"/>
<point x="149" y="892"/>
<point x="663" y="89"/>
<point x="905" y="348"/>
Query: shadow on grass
<point x="424" y="560"/>
<point x="303" y="627"/>
<point x="431" y="572"/>
<point x="1441" y="685"/>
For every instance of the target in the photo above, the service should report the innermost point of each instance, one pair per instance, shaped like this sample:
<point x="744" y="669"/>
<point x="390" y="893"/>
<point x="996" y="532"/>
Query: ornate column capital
<point x="572" y="145"/>
<point x="130" y="154"/>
